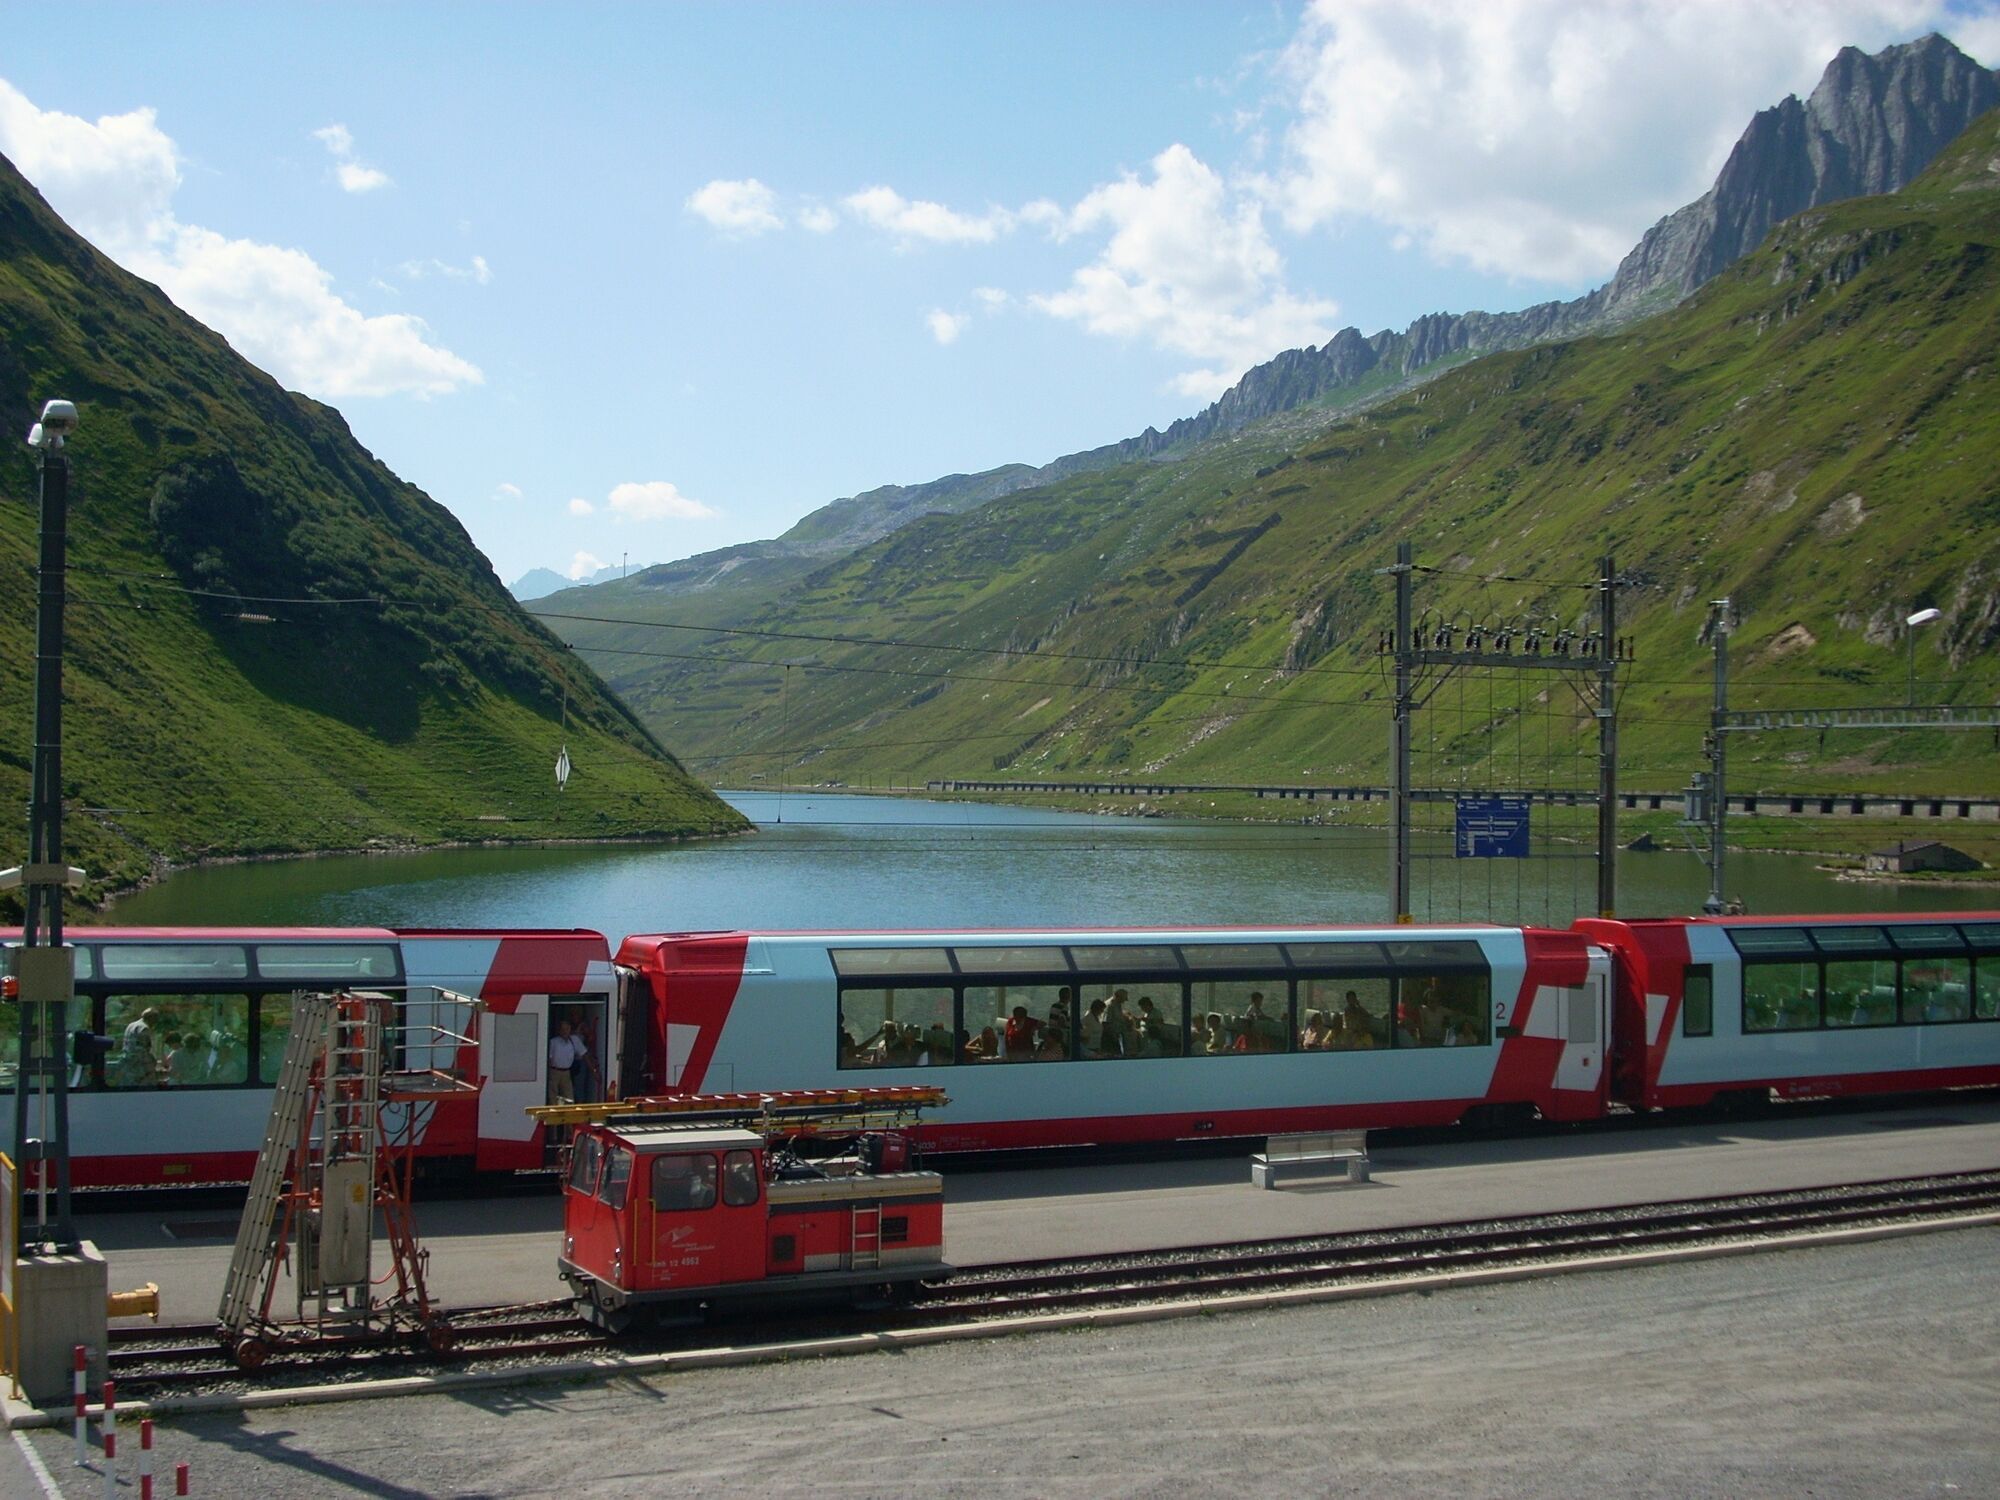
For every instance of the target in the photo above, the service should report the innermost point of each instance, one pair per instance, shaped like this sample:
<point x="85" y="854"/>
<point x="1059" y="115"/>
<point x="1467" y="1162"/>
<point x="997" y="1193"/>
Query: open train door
<point x="515" y="1061"/>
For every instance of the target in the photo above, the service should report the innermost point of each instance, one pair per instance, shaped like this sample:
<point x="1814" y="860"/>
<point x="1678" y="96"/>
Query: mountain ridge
<point x="1870" y="125"/>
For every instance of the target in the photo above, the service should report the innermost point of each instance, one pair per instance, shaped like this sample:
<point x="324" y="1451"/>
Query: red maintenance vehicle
<point x="671" y="1204"/>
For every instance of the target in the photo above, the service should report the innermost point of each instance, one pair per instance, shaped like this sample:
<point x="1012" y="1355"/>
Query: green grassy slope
<point x="201" y="488"/>
<point x="1816" y="433"/>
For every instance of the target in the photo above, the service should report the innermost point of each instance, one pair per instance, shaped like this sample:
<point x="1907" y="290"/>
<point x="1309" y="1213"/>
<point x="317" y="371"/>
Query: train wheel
<point x="250" y="1353"/>
<point x="441" y="1339"/>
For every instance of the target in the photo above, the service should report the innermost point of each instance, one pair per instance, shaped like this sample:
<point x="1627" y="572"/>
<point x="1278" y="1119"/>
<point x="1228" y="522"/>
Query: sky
<point x="627" y="282"/>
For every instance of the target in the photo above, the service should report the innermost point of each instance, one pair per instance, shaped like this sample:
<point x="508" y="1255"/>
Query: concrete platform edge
<point x="19" y="1415"/>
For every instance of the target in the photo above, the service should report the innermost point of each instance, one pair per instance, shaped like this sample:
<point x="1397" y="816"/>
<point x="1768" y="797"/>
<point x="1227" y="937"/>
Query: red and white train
<point x="184" y="1098"/>
<point x="1046" y="1038"/>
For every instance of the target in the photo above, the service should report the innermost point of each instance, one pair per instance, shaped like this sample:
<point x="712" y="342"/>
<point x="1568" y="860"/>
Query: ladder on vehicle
<point x="865" y="1246"/>
<point x="330" y="1162"/>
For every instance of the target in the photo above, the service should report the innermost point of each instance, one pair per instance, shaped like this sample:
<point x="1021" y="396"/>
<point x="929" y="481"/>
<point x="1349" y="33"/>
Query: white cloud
<point x="910" y="219"/>
<point x="818" y="218"/>
<point x="578" y="506"/>
<point x="505" y="491"/>
<point x="476" y="270"/>
<point x="1539" y="138"/>
<point x="354" y="176"/>
<point x="990" y="297"/>
<point x="746" y="207"/>
<point x="584" y="564"/>
<point x="655" y="500"/>
<point x="1047" y="215"/>
<point x="114" y="181"/>
<point x="946" y="327"/>
<point x="1188" y="267"/>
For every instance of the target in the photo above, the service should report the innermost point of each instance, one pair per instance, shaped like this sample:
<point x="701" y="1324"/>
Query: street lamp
<point x="1921" y="617"/>
<point x="43" y="964"/>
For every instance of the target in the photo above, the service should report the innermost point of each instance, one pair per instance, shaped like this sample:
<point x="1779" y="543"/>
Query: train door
<point x="514" y="1079"/>
<point x="1581" y="1019"/>
<point x="707" y="1215"/>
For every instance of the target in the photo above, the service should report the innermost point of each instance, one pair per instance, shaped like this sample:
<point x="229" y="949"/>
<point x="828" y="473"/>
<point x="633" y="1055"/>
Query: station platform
<point x="503" y="1250"/>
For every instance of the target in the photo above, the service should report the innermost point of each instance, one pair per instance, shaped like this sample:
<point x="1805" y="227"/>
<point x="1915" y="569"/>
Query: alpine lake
<point x="855" y="861"/>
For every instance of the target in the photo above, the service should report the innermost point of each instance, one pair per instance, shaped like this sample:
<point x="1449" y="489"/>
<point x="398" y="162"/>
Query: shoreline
<point x="164" y="869"/>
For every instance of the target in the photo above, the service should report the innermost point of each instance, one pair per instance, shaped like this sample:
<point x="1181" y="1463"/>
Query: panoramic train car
<point x="1715" y="1008"/>
<point x="1083" y="1037"/>
<point x="197" y="1021"/>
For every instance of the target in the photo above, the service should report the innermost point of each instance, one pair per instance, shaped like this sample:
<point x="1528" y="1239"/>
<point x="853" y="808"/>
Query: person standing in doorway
<point x="564" y="1050"/>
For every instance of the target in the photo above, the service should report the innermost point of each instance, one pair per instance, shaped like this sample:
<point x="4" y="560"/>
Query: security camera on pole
<point x="57" y="1283"/>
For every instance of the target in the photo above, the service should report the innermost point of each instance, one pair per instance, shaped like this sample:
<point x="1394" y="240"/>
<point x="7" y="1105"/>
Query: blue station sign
<point x="1492" y="827"/>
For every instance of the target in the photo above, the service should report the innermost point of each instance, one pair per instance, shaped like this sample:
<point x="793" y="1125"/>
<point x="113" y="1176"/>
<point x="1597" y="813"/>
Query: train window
<point x="1237" y="1016"/>
<point x="1848" y="939"/>
<point x="85" y="965"/>
<point x="1772" y="942"/>
<point x="1860" y="991"/>
<point x="10" y="1037"/>
<point x="1353" y="1013"/>
<point x="905" y="1026"/>
<point x="1011" y="960"/>
<point x="1927" y="939"/>
<point x="1936" y="989"/>
<point x="1129" y="1019"/>
<point x="169" y="962"/>
<point x="617" y="1177"/>
<point x="338" y="962"/>
<point x="176" y="1041"/>
<point x="1133" y="960"/>
<point x="739" y="1179"/>
<point x="1019" y="1022"/>
<point x="1698" y="1001"/>
<point x="1780" y="996"/>
<point x="1983" y="936"/>
<point x="865" y="962"/>
<point x="274" y="1031"/>
<point x="1339" y="958"/>
<point x="583" y="1164"/>
<point x="1233" y="956"/>
<point x="1986" y="991"/>
<point x="1437" y="956"/>
<point x="682" y="1182"/>
<point x="1443" y="1010"/>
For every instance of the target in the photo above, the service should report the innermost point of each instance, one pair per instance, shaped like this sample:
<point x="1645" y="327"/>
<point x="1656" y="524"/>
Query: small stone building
<point x="1915" y="854"/>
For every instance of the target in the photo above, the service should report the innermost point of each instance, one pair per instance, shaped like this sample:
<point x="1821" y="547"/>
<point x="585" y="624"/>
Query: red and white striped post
<point x="145" y="1458"/>
<point x="110" y="1440"/>
<point x="82" y="1357"/>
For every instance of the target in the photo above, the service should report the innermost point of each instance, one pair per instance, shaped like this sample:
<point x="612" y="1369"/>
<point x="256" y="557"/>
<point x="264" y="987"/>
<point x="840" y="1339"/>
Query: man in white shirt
<point x="564" y="1050"/>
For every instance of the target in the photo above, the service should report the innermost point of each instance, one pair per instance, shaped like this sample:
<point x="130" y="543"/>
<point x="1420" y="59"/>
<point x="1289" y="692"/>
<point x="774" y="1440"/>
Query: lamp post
<point x="1921" y="617"/>
<point x="43" y="965"/>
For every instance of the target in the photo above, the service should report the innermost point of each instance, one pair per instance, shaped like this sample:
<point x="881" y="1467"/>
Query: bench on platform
<point x="1320" y="1154"/>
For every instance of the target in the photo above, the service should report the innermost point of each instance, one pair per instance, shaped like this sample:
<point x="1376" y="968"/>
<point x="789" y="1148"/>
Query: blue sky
<point x="650" y="279"/>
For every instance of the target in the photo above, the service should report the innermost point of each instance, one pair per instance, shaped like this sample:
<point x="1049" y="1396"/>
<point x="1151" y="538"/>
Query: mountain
<point x="1815" y="432"/>
<point x="538" y="583"/>
<point x="274" y="644"/>
<point x="1870" y="126"/>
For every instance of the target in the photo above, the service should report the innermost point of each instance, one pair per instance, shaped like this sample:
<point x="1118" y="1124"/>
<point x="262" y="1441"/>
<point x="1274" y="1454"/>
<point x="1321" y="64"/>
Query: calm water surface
<point x="858" y="861"/>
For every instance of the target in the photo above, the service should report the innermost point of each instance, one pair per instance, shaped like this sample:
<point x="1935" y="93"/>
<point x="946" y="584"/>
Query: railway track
<point x="162" y="1362"/>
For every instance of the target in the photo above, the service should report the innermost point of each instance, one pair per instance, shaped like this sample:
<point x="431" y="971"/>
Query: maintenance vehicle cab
<point x="674" y="1203"/>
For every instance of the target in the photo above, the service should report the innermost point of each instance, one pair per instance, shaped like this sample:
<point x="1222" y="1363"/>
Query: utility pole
<point x="1399" y="753"/>
<point x="1607" y="739"/>
<point x="44" y="966"/>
